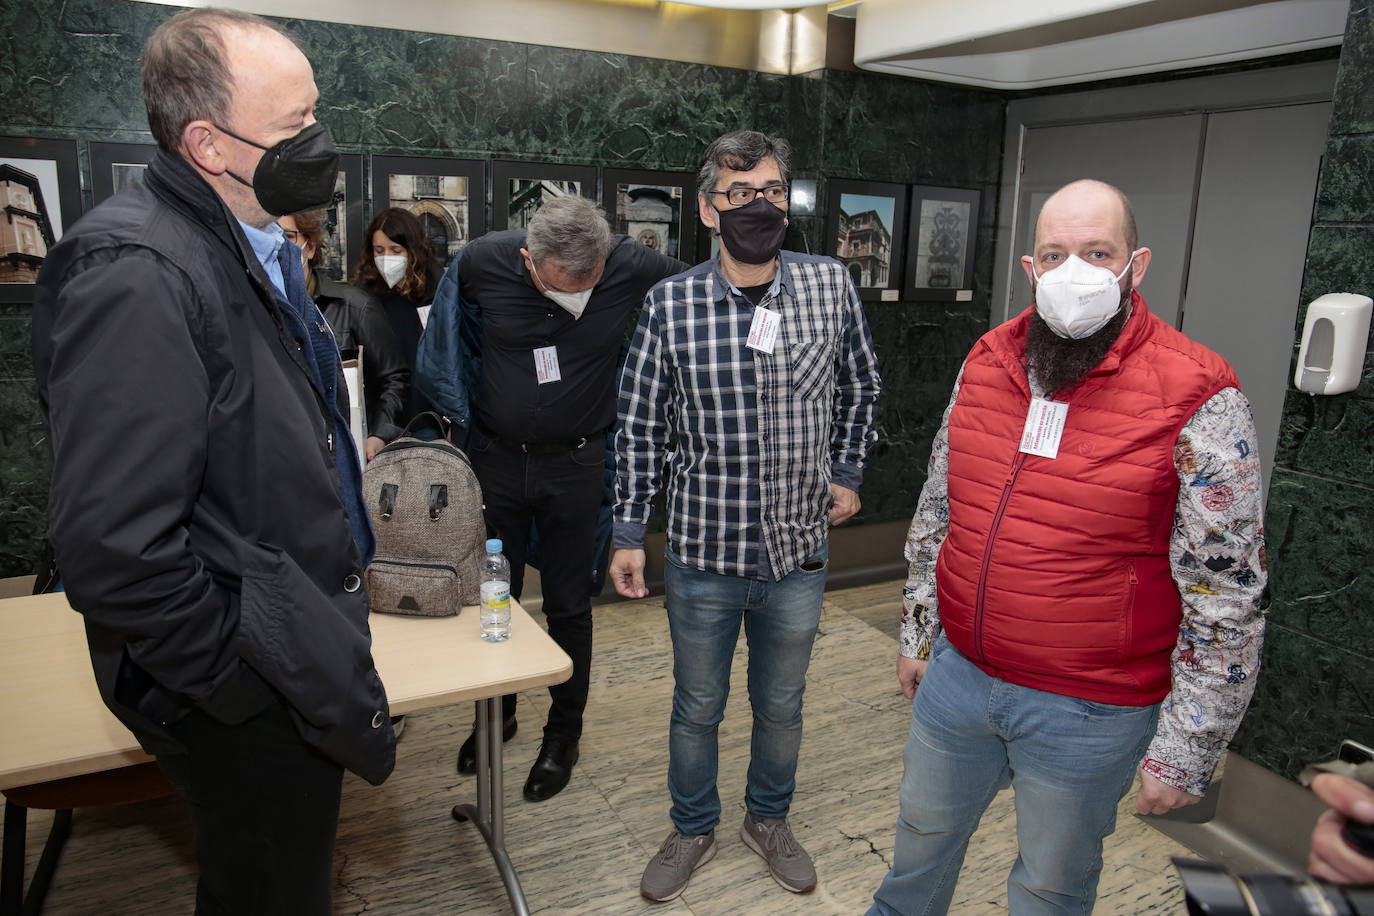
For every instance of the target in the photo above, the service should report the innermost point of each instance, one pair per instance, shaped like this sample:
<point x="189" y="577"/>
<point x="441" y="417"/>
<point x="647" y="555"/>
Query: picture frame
<point x="115" y="166"/>
<point x="448" y="195"/>
<point x="658" y="209"/>
<point x="864" y="229"/>
<point x="341" y="247"/>
<point x="40" y="189"/>
<point x="942" y="243"/>
<point x="518" y="188"/>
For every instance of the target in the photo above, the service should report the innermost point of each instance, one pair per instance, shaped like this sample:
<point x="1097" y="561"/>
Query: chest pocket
<point x="809" y="369"/>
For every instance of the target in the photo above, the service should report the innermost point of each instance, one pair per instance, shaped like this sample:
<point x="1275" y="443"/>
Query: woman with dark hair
<point x="358" y="322"/>
<point x="398" y="268"/>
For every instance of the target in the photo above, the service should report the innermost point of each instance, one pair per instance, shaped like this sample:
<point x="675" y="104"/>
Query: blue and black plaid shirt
<point x="756" y="438"/>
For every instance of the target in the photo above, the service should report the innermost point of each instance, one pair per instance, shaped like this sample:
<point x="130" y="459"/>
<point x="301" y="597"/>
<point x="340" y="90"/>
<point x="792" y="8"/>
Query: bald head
<point x="1089" y="199"/>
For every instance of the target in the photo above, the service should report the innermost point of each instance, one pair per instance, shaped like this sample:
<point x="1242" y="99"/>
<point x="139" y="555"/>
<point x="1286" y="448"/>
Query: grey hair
<point x="740" y="151"/>
<point x="186" y="73"/>
<point x="572" y="232"/>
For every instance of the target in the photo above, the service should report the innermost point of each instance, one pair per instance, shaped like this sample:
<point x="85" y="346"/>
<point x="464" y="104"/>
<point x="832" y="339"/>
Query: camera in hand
<point x="1213" y="890"/>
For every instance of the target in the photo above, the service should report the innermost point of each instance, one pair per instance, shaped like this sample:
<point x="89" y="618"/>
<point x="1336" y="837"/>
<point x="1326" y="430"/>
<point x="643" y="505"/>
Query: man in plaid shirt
<point x="759" y="369"/>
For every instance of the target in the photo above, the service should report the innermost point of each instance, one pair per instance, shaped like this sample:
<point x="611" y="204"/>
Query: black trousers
<point x="561" y="494"/>
<point x="265" y="807"/>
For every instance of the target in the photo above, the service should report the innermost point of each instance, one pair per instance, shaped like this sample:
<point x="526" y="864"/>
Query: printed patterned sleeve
<point x="1217" y="555"/>
<point x="930" y="524"/>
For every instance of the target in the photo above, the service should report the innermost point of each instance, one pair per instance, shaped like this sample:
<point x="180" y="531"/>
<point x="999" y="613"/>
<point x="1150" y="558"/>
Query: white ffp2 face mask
<point x="573" y="303"/>
<point x="392" y="267"/>
<point x="1077" y="298"/>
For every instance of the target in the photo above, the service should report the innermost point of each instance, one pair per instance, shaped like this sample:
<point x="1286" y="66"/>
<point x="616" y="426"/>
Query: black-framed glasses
<point x="292" y="235"/>
<point x="743" y="194"/>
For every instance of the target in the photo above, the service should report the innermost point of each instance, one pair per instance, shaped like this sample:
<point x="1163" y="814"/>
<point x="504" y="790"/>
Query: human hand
<point x="372" y="446"/>
<point x="1156" y="797"/>
<point x="627" y="573"/>
<point x="845" y="504"/>
<point x="1333" y="859"/>
<point x="909" y="674"/>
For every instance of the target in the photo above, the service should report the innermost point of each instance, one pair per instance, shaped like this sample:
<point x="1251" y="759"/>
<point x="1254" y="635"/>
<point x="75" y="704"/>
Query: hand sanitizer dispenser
<point x="1331" y="355"/>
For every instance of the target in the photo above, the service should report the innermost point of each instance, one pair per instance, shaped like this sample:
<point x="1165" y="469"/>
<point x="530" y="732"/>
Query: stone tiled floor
<point x="399" y="851"/>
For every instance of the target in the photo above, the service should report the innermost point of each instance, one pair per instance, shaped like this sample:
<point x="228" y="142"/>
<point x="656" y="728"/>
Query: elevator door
<point x="1227" y="271"/>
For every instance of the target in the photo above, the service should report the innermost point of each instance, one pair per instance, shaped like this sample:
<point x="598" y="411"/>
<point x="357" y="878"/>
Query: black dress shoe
<point x="552" y="769"/>
<point x="467" y="754"/>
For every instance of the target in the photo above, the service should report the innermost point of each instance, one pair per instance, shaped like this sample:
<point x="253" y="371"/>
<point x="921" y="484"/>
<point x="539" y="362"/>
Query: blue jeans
<point x="780" y="620"/>
<point x="1069" y="762"/>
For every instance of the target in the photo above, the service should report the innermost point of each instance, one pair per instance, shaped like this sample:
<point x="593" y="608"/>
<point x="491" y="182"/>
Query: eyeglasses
<point x="292" y="235"/>
<point x="743" y="194"/>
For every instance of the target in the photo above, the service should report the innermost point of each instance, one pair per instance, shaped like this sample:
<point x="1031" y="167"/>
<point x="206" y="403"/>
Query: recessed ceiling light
<point x="754" y="4"/>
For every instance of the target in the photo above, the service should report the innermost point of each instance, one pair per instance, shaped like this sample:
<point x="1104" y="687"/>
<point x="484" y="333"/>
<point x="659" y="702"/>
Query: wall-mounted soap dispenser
<point x="1334" y="335"/>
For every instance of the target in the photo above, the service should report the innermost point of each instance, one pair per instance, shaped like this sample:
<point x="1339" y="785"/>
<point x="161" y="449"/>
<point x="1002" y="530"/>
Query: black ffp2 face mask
<point x="296" y="174"/>
<point x="752" y="233"/>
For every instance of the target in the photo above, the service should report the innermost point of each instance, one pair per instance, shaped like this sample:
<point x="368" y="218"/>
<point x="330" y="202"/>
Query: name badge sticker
<point x="763" y="332"/>
<point x="546" y="365"/>
<point x="1044" y="427"/>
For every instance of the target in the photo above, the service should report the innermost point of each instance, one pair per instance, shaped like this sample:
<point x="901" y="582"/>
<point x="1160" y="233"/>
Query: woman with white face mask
<point x="397" y="267"/>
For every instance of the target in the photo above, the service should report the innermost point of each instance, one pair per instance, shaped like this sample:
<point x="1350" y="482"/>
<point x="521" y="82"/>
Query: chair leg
<point x="47" y="862"/>
<point x="12" y="860"/>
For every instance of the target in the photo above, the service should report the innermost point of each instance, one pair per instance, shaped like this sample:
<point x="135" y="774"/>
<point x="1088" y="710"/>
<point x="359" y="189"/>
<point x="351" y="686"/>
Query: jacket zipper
<point x="1007" y="488"/>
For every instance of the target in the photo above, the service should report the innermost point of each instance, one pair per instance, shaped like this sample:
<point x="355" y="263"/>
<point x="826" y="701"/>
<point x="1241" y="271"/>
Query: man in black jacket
<point x="547" y="309"/>
<point x="206" y="509"/>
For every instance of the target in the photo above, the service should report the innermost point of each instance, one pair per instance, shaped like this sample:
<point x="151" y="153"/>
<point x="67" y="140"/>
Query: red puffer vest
<point x="1055" y="572"/>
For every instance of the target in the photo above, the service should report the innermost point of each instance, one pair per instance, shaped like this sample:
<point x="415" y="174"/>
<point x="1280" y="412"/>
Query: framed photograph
<point x="864" y="226"/>
<point x="342" y="221"/>
<point x="448" y="195"/>
<point x="40" y="192"/>
<point x="518" y="188"/>
<point x="944" y="229"/>
<point x="657" y="209"/>
<point x="116" y="166"/>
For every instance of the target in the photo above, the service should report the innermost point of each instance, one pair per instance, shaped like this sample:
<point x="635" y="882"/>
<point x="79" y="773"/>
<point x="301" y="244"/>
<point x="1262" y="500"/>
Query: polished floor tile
<point x="400" y="851"/>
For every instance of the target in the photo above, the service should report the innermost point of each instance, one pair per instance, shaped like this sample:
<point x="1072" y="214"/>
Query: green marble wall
<point x="71" y="71"/>
<point x="1316" y="682"/>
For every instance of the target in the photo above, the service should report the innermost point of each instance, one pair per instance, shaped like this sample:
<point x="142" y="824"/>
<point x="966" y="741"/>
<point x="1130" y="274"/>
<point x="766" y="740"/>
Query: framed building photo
<point x="448" y="195"/>
<point x="944" y="229"/>
<point x="864" y="225"/>
<point x="518" y="188"/>
<point x="40" y="190"/>
<point x="657" y="209"/>
<point x="116" y="166"/>
<point x="342" y="221"/>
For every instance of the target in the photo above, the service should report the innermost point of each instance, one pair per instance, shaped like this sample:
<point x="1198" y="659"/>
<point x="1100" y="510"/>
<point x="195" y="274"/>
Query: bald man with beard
<point x="1086" y="565"/>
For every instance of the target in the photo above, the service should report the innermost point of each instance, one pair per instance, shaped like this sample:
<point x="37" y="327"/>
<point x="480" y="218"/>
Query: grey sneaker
<point x="671" y="867"/>
<point x="788" y="863"/>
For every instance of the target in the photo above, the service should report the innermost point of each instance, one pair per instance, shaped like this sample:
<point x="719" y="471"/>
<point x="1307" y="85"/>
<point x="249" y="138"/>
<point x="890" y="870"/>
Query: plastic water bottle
<point x="495" y="610"/>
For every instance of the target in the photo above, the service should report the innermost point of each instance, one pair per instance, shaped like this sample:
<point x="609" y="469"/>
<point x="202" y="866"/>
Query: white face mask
<point x="392" y="267"/>
<point x="573" y="303"/>
<point x="1076" y="298"/>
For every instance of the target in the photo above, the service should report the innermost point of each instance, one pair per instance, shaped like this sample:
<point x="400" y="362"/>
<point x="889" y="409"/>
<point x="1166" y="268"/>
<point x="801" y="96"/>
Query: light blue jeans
<point x="704" y="615"/>
<point x="1069" y="762"/>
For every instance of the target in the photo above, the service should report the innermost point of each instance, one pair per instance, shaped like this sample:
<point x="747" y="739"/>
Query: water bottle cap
<point x="493" y="545"/>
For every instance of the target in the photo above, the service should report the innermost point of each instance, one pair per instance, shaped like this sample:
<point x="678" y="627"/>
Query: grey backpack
<point x="426" y="507"/>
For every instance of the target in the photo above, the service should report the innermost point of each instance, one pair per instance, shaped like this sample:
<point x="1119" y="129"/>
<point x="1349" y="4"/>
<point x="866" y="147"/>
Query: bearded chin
<point x="1059" y="362"/>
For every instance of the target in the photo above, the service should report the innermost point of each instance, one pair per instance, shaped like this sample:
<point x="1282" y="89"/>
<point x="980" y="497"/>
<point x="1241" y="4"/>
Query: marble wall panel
<point x="1310" y="694"/>
<point x="1346" y="189"/>
<point x="1319" y="543"/>
<point x="1352" y="107"/>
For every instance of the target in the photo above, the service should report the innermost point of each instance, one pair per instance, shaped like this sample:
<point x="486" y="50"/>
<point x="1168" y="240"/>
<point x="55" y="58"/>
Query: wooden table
<point x="55" y="725"/>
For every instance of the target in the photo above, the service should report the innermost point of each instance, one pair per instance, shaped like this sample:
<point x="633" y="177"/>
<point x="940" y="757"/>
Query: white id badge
<point x="1044" y="427"/>
<point x="763" y="333"/>
<point x="546" y="365"/>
